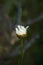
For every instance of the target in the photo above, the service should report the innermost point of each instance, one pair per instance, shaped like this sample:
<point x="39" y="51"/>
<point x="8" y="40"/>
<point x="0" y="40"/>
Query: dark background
<point x="25" y="12"/>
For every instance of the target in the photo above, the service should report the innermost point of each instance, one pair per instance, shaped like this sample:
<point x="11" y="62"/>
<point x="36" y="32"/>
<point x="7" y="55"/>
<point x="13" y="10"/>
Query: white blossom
<point x="21" y="30"/>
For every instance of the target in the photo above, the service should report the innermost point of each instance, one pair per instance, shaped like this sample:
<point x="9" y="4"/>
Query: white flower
<point x="21" y="30"/>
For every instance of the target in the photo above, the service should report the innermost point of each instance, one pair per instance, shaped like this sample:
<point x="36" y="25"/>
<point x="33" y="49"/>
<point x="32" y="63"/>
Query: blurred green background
<point x="14" y="12"/>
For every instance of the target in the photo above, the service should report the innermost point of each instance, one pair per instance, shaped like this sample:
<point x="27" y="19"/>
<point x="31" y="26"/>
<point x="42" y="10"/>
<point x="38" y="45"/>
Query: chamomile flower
<point x="21" y="30"/>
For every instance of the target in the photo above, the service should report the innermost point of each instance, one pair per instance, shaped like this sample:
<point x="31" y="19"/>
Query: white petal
<point x="27" y="27"/>
<point x="17" y="31"/>
<point x="18" y="27"/>
<point x="23" y="28"/>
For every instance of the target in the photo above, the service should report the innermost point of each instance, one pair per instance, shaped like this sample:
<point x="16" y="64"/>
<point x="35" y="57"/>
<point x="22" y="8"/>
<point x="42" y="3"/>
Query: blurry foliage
<point x="30" y="10"/>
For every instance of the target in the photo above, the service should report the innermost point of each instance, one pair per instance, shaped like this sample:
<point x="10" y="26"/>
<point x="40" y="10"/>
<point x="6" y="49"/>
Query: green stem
<point x="22" y="52"/>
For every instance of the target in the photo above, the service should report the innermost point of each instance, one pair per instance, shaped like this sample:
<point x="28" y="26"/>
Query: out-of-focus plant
<point x="27" y="12"/>
<point x="21" y="32"/>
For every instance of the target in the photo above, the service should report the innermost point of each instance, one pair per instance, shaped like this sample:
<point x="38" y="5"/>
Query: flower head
<point x="21" y="30"/>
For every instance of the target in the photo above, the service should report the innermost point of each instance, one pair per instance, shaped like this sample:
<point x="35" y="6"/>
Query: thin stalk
<point x="22" y="52"/>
